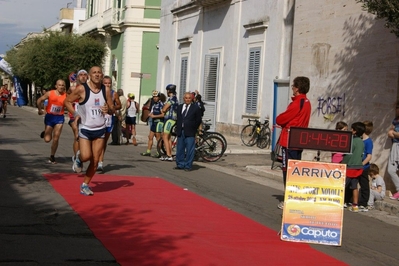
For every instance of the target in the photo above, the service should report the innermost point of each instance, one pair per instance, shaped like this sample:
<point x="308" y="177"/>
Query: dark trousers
<point x="116" y="133"/>
<point x="364" y="192"/>
<point x="289" y="154"/>
<point x="185" y="151"/>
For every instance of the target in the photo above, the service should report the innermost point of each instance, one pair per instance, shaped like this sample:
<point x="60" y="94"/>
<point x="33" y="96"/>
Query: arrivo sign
<point x="320" y="139"/>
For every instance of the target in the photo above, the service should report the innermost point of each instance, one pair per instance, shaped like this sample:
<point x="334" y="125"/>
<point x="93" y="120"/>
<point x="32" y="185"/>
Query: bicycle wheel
<point x="249" y="135"/>
<point x="211" y="148"/>
<point x="264" y="138"/>
<point x="210" y="133"/>
<point x="161" y="147"/>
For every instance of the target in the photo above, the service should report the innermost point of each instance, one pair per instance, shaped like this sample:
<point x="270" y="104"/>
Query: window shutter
<point x="210" y="77"/>
<point x="183" y="78"/>
<point x="253" y="80"/>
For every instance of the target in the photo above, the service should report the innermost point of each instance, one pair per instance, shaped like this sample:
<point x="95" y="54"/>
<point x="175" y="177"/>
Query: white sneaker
<point x="100" y="167"/>
<point x="280" y="205"/>
<point x="85" y="190"/>
<point x="77" y="164"/>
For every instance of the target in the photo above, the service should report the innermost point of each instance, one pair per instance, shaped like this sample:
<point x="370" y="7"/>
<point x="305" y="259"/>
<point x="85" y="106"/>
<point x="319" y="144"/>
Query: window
<point x="183" y="78"/>
<point x="210" y="77"/>
<point x="253" y="80"/>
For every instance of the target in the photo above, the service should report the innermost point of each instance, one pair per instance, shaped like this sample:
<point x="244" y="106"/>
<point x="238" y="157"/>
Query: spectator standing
<point x="14" y="97"/>
<point x="170" y="111"/>
<point x="132" y="108"/>
<point x="54" y="118"/>
<point x="354" y="164"/>
<point x="110" y="120"/>
<point x="393" y="160"/>
<point x="297" y="114"/>
<point x="188" y="121"/>
<point x="364" y="192"/>
<point x="199" y="102"/>
<point x="120" y="118"/>
<point x="337" y="156"/>
<point x="94" y="102"/>
<point x="377" y="187"/>
<point x="156" y="127"/>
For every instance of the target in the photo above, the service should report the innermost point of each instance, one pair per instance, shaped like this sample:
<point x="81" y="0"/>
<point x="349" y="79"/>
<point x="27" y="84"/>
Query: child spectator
<point x="377" y="188"/>
<point x="337" y="156"/>
<point x="364" y="192"/>
<point x="354" y="164"/>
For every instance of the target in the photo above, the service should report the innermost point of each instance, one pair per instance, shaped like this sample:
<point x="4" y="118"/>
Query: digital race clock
<point x="320" y="139"/>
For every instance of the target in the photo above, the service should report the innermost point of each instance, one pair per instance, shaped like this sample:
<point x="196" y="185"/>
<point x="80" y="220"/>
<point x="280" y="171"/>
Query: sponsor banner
<point x="5" y="66"/>
<point x="313" y="203"/>
<point x="21" y="99"/>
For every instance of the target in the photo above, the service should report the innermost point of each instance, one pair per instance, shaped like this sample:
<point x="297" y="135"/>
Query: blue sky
<point x="20" y="17"/>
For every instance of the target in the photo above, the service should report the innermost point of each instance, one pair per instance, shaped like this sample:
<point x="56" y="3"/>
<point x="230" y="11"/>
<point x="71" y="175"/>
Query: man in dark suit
<point x="188" y="121"/>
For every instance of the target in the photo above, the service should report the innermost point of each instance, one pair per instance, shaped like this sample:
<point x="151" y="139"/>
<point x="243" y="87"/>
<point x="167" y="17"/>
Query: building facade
<point x="130" y="30"/>
<point x="353" y="64"/>
<point x="233" y="52"/>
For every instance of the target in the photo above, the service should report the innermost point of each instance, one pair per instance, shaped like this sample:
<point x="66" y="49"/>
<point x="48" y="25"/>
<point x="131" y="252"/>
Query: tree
<point x="388" y="9"/>
<point x="54" y="55"/>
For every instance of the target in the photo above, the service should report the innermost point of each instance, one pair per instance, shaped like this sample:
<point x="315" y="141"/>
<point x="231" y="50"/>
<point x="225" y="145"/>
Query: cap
<point x="130" y="95"/>
<point x="155" y="94"/>
<point x="82" y="71"/>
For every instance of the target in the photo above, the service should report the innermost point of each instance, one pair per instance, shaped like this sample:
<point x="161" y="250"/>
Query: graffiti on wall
<point x="331" y="106"/>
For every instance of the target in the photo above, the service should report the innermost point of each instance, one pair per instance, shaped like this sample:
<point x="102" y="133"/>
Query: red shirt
<point x="294" y="116"/>
<point x="5" y="94"/>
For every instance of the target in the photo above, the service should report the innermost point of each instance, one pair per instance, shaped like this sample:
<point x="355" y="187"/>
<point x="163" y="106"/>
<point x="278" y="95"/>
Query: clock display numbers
<point x="320" y="139"/>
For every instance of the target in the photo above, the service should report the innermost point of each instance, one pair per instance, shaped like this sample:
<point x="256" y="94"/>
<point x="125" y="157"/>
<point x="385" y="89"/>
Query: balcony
<point x="209" y="2"/>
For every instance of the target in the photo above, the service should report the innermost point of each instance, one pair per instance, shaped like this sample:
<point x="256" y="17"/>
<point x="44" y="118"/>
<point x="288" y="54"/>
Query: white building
<point x="130" y="30"/>
<point x="235" y="53"/>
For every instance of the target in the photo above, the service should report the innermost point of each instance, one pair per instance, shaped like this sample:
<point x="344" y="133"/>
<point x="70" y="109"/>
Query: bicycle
<point x="206" y="126"/>
<point x="256" y="133"/>
<point x="276" y="154"/>
<point x="210" y="146"/>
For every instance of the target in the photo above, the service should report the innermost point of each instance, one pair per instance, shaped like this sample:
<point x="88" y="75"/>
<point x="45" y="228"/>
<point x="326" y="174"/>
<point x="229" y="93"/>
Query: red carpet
<point x="149" y="221"/>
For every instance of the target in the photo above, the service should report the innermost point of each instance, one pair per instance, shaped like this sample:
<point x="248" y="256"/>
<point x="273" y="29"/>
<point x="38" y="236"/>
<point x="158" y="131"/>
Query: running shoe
<point x="100" y="167"/>
<point x="51" y="159"/>
<point x="156" y="155"/>
<point x="85" y="190"/>
<point x="370" y="207"/>
<point x="395" y="196"/>
<point x="280" y="205"/>
<point x="145" y="154"/>
<point x="162" y="158"/>
<point x="363" y="209"/>
<point x="77" y="164"/>
<point x="353" y="208"/>
<point x="169" y="159"/>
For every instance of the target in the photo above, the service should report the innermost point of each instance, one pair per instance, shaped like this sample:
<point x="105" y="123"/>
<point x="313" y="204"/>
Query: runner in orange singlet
<point x="54" y="119"/>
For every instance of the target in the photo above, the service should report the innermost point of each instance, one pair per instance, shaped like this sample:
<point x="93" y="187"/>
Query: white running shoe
<point x="85" y="190"/>
<point x="77" y="164"/>
<point x="100" y="167"/>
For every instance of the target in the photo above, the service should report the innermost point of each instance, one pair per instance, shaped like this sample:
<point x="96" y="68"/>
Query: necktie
<point x="185" y="110"/>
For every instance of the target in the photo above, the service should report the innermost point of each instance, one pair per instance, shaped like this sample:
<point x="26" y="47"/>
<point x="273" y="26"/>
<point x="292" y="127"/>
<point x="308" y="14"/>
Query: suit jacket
<point x="191" y="121"/>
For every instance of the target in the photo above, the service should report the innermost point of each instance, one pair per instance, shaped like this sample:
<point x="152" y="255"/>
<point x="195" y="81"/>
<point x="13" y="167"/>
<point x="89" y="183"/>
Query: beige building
<point x="352" y="61"/>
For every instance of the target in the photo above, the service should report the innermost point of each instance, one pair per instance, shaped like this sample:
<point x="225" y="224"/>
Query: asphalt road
<point x="38" y="227"/>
